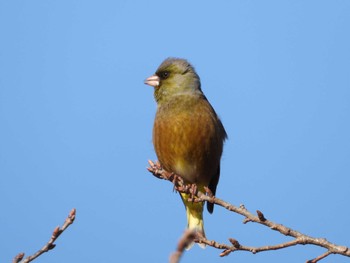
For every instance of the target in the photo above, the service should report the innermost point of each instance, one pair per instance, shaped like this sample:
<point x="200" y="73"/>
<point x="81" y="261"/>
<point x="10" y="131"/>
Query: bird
<point x="188" y="135"/>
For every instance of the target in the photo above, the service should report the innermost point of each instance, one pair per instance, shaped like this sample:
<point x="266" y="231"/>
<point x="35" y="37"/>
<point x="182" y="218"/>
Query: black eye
<point x="164" y="74"/>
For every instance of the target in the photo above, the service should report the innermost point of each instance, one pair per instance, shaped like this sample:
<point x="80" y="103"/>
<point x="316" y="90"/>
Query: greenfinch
<point x="188" y="136"/>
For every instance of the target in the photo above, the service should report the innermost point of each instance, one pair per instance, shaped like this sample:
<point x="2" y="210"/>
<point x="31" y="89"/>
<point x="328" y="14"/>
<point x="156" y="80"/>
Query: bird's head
<point x="174" y="76"/>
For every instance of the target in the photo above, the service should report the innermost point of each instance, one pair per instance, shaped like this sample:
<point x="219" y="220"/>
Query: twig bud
<point x="234" y="242"/>
<point x="261" y="216"/>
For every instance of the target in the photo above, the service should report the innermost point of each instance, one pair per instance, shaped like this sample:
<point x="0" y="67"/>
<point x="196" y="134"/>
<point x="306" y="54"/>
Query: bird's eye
<point x="164" y="74"/>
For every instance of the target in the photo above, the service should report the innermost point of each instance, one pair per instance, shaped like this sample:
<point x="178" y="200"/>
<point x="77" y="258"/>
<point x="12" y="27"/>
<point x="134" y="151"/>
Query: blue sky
<point x="76" y="124"/>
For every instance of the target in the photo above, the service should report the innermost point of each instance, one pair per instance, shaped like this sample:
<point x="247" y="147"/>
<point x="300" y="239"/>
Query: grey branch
<point x="50" y="244"/>
<point x="299" y="238"/>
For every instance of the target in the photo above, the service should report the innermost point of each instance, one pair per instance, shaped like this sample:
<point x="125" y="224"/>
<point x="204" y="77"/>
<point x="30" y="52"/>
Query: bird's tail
<point x="194" y="211"/>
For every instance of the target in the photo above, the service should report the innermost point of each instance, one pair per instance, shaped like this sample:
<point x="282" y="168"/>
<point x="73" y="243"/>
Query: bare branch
<point x="50" y="244"/>
<point x="325" y="254"/>
<point x="186" y="239"/>
<point x="198" y="196"/>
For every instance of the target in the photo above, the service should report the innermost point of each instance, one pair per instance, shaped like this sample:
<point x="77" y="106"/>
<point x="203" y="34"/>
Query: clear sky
<point x="76" y="124"/>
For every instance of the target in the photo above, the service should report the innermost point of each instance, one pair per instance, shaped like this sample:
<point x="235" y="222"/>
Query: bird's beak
<point x="152" y="81"/>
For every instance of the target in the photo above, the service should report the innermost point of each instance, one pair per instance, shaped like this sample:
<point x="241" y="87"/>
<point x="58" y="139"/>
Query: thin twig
<point x="325" y="254"/>
<point x="50" y="244"/>
<point x="299" y="238"/>
<point x="186" y="239"/>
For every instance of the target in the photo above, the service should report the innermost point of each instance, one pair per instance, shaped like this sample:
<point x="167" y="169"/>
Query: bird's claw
<point x="193" y="191"/>
<point x="155" y="169"/>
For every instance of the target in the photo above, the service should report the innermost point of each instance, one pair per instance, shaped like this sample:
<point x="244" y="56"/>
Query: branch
<point x="187" y="238"/>
<point x="299" y="238"/>
<point x="50" y="244"/>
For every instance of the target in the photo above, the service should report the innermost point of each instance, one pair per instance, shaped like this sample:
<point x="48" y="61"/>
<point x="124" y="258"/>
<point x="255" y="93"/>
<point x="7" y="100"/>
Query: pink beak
<point x="152" y="81"/>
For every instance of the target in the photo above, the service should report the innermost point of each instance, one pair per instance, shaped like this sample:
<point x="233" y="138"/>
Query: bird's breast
<point x="187" y="140"/>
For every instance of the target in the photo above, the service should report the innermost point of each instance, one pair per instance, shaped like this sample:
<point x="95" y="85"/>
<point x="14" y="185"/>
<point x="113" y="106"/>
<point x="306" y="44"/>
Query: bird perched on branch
<point x="188" y="135"/>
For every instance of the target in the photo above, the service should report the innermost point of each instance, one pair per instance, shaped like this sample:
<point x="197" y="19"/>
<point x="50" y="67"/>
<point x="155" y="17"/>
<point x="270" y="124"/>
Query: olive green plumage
<point x="188" y="135"/>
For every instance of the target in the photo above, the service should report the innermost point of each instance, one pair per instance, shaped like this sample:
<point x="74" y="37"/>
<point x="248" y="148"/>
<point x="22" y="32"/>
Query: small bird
<point x="188" y="136"/>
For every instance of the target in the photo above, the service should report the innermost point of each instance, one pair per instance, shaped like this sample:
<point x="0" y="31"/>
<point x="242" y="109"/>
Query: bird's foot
<point x="192" y="189"/>
<point x="177" y="181"/>
<point x="156" y="169"/>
